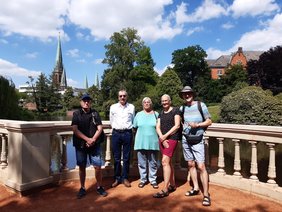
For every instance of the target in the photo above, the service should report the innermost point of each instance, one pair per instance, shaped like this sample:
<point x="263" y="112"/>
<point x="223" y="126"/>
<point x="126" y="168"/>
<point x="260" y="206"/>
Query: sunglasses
<point x="122" y="96"/>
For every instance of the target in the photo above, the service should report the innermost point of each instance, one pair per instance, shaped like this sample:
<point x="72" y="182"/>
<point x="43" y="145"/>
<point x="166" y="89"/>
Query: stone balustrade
<point x="25" y="159"/>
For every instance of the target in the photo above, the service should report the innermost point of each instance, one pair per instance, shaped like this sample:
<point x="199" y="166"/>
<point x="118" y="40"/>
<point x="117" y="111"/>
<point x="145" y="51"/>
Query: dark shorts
<point x="94" y="157"/>
<point x="170" y="150"/>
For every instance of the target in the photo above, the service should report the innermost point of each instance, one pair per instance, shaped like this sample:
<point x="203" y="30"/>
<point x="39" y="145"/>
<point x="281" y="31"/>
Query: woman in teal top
<point x="146" y="143"/>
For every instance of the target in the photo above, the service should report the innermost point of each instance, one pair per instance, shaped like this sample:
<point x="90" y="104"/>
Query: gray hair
<point x="147" y="99"/>
<point x="167" y="96"/>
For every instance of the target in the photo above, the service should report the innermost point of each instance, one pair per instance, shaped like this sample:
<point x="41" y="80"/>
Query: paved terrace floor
<point x="63" y="198"/>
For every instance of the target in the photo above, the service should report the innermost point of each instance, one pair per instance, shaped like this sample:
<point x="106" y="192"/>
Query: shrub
<point x="251" y="105"/>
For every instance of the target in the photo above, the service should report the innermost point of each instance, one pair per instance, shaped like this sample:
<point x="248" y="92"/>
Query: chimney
<point x="240" y="50"/>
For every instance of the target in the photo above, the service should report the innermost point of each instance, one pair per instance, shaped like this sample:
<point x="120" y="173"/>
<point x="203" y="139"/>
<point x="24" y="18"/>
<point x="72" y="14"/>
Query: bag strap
<point x="182" y="114"/>
<point x="155" y="115"/>
<point x="200" y="110"/>
<point x="94" y="119"/>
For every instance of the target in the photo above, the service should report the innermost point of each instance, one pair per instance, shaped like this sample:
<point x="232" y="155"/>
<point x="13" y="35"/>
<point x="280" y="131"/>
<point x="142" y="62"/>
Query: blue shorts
<point x="94" y="157"/>
<point x="194" y="152"/>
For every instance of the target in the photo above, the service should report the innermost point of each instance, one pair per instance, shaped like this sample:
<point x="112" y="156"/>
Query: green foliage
<point x="8" y="100"/>
<point x="214" y="90"/>
<point x="214" y="111"/>
<point x="169" y="83"/>
<point x="251" y="105"/>
<point x="267" y="71"/>
<point x="279" y="96"/>
<point x="45" y="94"/>
<point x="130" y="66"/>
<point x="67" y="98"/>
<point x="190" y="64"/>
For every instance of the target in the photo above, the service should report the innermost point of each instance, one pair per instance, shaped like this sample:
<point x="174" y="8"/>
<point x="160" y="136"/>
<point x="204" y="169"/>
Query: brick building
<point x="219" y="65"/>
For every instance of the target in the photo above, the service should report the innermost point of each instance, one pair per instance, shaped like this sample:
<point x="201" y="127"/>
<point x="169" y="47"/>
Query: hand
<point x="165" y="144"/>
<point x="193" y="124"/>
<point x="90" y="142"/>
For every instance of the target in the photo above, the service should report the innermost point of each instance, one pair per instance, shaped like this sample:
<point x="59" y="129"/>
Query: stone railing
<point x="26" y="155"/>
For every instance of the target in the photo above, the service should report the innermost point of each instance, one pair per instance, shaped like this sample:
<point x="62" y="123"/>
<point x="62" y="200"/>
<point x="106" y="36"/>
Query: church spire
<point x="59" y="73"/>
<point x="86" y="82"/>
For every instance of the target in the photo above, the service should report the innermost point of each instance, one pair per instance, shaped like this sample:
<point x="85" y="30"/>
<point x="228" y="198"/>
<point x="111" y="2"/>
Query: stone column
<point x="254" y="161"/>
<point x="64" y="159"/>
<point x="108" y="150"/>
<point x="237" y="160"/>
<point x="271" y="167"/>
<point x="4" y="143"/>
<point x="221" y="163"/>
<point x="29" y="154"/>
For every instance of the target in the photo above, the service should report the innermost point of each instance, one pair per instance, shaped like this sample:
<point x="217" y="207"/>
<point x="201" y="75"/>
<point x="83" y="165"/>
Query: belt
<point x="122" y="131"/>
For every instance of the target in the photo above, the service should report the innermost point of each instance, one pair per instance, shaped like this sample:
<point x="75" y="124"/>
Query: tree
<point x="169" y="83"/>
<point x="8" y="100"/>
<point x="267" y="71"/>
<point x="190" y="64"/>
<point x="130" y="66"/>
<point x="45" y="94"/>
<point x="251" y="105"/>
<point x="67" y="98"/>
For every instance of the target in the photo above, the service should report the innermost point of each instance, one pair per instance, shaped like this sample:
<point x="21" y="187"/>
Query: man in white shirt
<point x="121" y="118"/>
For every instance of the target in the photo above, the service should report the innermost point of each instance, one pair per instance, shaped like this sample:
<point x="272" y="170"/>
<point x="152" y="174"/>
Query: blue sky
<point x="29" y="31"/>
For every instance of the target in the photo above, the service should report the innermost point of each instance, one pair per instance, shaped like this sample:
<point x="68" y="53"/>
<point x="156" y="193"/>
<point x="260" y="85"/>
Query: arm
<point x="79" y="134"/>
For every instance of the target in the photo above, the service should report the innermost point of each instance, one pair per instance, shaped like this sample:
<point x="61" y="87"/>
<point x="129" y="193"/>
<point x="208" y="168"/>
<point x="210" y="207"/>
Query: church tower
<point x="59" y="72"/>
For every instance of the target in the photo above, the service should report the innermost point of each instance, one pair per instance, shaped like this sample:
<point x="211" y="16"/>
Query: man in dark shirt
<point x="87" y="127"/>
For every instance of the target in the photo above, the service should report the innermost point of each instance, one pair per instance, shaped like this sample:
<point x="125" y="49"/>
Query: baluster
<point x="108" y="150"/>
<point x="271" y="167"/>
<point x="64" y="159"/>
<point x="207" y="155"/>
<point x="4" y="159"/>
<point x="237" y="161"/>
<point x="254" y="161"/>
<point x="221" y="163"/>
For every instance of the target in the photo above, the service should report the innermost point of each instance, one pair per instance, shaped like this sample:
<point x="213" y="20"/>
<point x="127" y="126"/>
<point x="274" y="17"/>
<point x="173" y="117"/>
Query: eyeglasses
<point x="122" y="96"/>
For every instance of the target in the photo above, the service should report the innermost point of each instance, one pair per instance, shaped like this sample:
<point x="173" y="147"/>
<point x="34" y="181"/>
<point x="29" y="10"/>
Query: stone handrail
<point x="30" y="142"/>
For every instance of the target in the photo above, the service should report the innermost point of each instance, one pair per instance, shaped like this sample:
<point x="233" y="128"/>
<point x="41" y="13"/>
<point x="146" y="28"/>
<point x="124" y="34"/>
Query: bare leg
<point x="98" y="175"/>
<point x="172" y="177"/>
<point x="204" y="178"/>
<point x="193" y="174"/>
<point x="82" y="174"/>
<point x="166" y="162"/>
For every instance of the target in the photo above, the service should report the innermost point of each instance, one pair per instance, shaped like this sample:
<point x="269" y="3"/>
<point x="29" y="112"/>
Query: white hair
<point x="167" y="96"/>
<point x="147" y="99"/>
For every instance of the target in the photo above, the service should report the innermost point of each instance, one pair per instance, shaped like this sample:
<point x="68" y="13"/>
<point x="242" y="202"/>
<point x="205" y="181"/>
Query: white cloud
<point x="215" y="53"/>
<point x="263" y="39"/>
<point x="72" y="82"/>
<point x="39" y="19"/>
<point x="31" y="55"/>
<point x="73" y="53"/>
<point x="208" y="10"/>
<point x="98" y="61"/>
<point x="3" y="41"/>
<point x="161" y="71"/>
<point x="81" y="61"/>
<point x="103" y="18"/>
<point x="196" y="29"/>
<point x="253" y="7"/>
<point x="12" y="69"/>
<point x="257" y="40"/>
<point x="227" y="25"/>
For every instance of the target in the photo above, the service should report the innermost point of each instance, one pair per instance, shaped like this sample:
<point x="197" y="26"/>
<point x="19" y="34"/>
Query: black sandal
<point x="171" y="188"/>
<point x="206" y="201"/>
<point x="141" y="184"/>
<point x="161" y="194"/>
<point x="155" y="185"/>
<point x="192" y="193"/>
